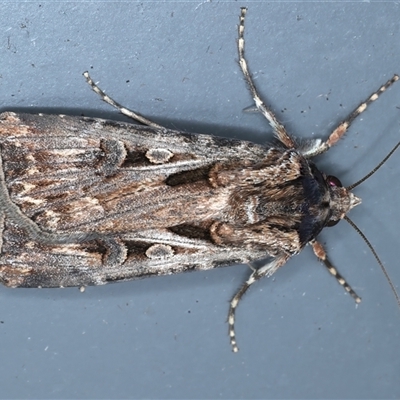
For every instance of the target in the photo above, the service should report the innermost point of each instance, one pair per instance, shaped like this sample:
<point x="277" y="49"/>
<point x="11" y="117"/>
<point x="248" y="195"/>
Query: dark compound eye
<point x="333" y="181"/>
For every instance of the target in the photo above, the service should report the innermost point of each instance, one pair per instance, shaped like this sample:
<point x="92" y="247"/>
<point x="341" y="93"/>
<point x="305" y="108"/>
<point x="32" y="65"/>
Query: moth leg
<point x="266" y="270"/>
<point x="252" y="267"/>
<point x="321" y="255"/>
<point x="342" y="128"/>
<point x="279" y="129"/>
<point x="123" y="110"/>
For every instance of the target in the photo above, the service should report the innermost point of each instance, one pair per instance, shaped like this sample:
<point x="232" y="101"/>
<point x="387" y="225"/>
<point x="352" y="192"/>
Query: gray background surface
<point x="300" y="335"/>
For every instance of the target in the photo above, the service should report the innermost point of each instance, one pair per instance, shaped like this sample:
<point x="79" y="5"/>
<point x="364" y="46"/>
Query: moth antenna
<point x="123" y="110"/>
<point x="357" y="229"/>
<point x="374" y="170"/>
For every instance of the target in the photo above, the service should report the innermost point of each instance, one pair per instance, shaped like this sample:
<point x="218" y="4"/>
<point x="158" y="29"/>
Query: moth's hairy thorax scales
<point x="282" y="196"/>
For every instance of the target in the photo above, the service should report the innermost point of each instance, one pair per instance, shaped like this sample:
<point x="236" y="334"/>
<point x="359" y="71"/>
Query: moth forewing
<point x="86" y="201"/>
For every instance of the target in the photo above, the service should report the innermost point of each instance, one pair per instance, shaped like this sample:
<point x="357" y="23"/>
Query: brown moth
<point x="87" y="201"/>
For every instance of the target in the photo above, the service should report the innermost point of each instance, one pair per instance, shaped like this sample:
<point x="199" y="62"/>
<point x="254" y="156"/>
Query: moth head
<point x="342" y="200"/>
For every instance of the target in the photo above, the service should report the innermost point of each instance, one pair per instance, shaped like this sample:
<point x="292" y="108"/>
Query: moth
<point x="86" y="201"/>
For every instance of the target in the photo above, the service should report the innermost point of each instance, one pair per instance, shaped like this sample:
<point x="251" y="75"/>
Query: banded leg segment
<point x="266" y="270"/>
<point x="123" y="110"/>
<point x="315" y="146"/>
<point x="279" y="129"/>
<point x="309" y="148"/>
<point x="320" y="252"/>
<point x="344" y="125"/>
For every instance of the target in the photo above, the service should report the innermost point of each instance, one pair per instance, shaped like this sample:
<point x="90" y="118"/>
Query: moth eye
<point x="333" y="181"/>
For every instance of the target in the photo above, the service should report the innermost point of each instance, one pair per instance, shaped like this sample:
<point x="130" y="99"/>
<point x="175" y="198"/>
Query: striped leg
<point x="279" y="129"/>
<point x="344" y="126"/>
<point x="315" y="146"/>
<point x="266" y="270"/>
<point x="119" y="107"/>
<point x="321" y="255"/>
